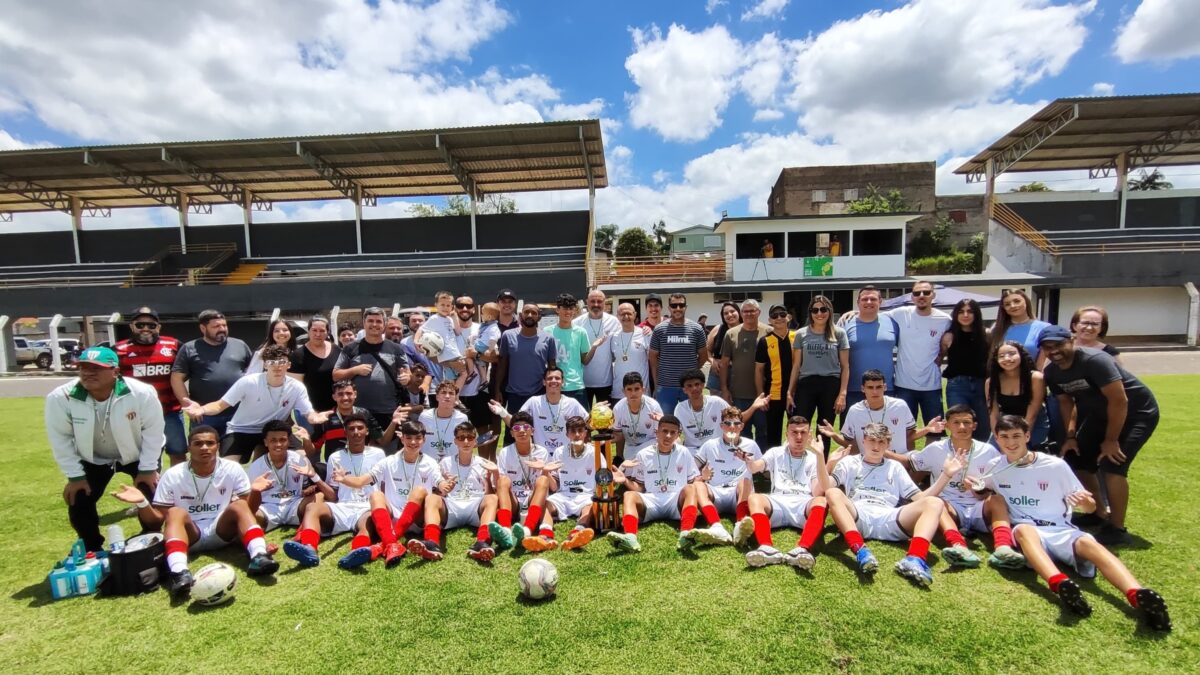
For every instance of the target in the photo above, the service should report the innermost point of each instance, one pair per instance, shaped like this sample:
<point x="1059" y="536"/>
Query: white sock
<point x="177" y="562"/>
<point x="257" y="546"/>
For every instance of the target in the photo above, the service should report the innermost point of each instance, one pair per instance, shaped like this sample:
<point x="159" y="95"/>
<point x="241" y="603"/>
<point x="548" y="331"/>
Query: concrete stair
<point x="243" y="274"/>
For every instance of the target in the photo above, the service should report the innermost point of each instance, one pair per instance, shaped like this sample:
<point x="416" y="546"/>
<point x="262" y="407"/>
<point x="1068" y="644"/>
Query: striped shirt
<point x="678" y="347"/>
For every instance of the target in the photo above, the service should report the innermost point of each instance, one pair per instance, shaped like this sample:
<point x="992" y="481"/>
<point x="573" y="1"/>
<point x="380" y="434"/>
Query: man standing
<point x="630" y="348"/>
<point x="738" y="367"/>
<point x="378" y="366"/>
<point x="574" y="349"/>
<point x="210" y="365"/>
<point x="676" y="346"/>
<point x="920" y="328"/>
<point x="508" y="310"/>
<point x="100" y="423"/>
<point x="148" y="356"/>
<point x="467" y="334"/>
<point x="872" y="340"/>
<point x="524" y="354"/>
<point x="653" y="311"/>
<point x="1114" y="416"/>
<point x="598" y="373"/>
<point x="773" y="367"/>
<point x="550" y="412"/>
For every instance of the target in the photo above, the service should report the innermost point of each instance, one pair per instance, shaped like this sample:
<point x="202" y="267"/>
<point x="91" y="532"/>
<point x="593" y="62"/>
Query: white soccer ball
<point x="538" y="579"/>
<point x="431" y="344"/>
<point x="214" y="584"/>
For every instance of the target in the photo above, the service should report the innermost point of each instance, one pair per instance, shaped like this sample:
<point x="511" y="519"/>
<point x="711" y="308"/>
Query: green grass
<point x="654" y="611"/>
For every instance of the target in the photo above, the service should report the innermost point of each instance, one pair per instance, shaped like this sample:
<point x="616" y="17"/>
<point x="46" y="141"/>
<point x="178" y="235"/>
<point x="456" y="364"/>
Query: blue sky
<point x="702" y="102"/>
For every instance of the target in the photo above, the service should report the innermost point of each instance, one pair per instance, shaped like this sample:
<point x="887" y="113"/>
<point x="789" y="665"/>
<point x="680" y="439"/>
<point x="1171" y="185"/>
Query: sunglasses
<point x="731" y="423"/>
<point x="818" y="310"/>
<point x="145" y="324"/>
<point x="921" y="294"/>
<point x="522" y="427"/>
<point x="465" y="438"/>
<point x="276" y="362"/>
<point x="678" y="305"/>
<point x="778" y="315"/>
<point x="464" y="305"/>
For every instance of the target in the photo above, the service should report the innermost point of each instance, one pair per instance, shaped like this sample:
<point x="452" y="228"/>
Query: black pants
<point x="776" y="411"/>
<point x="816" y="393"/>
<point x="598" y="394"/>
<point x="83" y="515"/>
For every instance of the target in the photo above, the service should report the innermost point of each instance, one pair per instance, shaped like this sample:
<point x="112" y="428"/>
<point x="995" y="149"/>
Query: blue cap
<point x="1054" y="334"/>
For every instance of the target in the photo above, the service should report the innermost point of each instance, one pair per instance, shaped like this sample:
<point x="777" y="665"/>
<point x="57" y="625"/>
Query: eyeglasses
<point x="275" y="363"/>
<point x="465" y="438"/>
<point x="921" y="294"/>
<point x="731" y="423"/>
<point x="464" y="305"/>
<point x="145" y="324"/>
<point x="1088" y="324"/>
<point x="818" y="310"/>
<point x="778" y="315"/>
<point x="678" y="305"/>
<point x="522" y="427"/>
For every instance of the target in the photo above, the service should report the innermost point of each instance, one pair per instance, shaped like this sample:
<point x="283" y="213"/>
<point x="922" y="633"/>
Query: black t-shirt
<point x="330" y="435"/>
<point x="376" y="392"/>
<point x="318" y="374"/>
<point x="1090" y="371"/>
<point x="968" y="355"/>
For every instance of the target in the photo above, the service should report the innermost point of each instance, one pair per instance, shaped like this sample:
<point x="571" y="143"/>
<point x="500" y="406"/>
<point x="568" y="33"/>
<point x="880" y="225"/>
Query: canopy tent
<point x="945" y="298"/>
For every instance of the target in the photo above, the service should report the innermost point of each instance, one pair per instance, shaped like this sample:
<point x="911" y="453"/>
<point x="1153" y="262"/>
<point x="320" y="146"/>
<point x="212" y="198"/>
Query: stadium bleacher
<point x="86" y="274"/>
<point x="420" y="262"/>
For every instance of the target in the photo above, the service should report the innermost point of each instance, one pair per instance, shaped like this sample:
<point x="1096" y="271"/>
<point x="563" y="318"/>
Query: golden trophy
<point x="606" y="508"/>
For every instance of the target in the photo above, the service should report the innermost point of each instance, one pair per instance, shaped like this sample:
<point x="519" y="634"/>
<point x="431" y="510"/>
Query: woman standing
<point x="1015" y="322"/>
<point x="731" y="316"/>
<point x="1090" y="325"/>
<point x="965" y="347"/>
<point x="1015" y="388"/>
<point x="314" y="363"/>
<point x="281" y="333"/>
<point x="820" y="365"/>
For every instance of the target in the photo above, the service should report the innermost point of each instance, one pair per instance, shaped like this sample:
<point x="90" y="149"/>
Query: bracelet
<point x="144" y="503"/>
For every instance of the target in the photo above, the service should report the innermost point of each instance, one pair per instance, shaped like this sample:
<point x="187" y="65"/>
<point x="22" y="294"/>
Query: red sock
<point x="407" y="516"/>
<point x="629" y="523"/>
<point x="762" y="529"/>
<point x="433" y="532"/>
<point x="711" y="515"/>
<point x="546" y="531"/>
<point x="360" y="541"/>
<point x="251" y="534"/>
<point x="688" y="519"/>
<point x="1131" y="596"/>
<point x="175" y="546"/>
<point x="812" y="527"/>
<point x="308" y="537"/>
<point x="482" y="533"/>
<point x="1055" y="580"/>
<point x="741" y="510"/>
<point x="504" y="517"/>
<point x="955" y="538"/>
<point x="1002" y="535"/>
<point x="854" y="540"/>
<point x="919" y="547"/>
<point x="533" y="517"/>
<point x="383" y="526"/>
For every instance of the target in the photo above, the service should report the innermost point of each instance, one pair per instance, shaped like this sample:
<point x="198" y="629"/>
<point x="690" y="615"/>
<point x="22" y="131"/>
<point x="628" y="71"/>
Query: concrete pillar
<point x="8" y="356"/>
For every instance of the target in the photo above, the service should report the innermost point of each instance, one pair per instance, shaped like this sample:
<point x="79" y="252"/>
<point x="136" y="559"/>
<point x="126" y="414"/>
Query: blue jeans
<point x="218" y="422"/>
<point x="967" y="390"/>
<point x="929" y="402"/>
<point x="176" y="437"/>
<point x="668" y="398"/>
<point x="757" y="426"/>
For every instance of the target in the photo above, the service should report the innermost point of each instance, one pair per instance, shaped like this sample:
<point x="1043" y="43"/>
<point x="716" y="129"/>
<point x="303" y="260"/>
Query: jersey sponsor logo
<point x="151" y="369"/>
<point x="285" y="494"/>
<point x="203" y="508"/>
<point x="678" y="340"/>
<point x="1024" y="500"/>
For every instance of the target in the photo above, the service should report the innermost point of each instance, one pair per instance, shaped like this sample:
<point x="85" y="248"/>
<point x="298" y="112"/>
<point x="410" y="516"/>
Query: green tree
<point x="1150" y="181"/>
<point x="1035" y="186"/>
<point x="875" y="201"/>
<point x="635" y="243"/>
<point x="661" y="237"/>
<point x="460" y="205"/>
<point x="606" y="236"/>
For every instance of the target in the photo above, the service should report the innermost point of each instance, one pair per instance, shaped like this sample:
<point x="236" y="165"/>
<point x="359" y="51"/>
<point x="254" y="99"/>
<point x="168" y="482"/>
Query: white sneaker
<point x="764" y="555"/>
<point x="800" y="558"/>
<point x="715" y="535"/>
<point x="742" y="531"/>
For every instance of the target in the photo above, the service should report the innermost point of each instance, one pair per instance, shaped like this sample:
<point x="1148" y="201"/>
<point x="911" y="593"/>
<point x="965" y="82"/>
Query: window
<point x="713" y="241"/>
<point x="958" y="216"/>
<point x="818" y="196"/>
<point x="751" y="245"/>
<point x="850" y="194"/>
<point x="683" y="240"/>
<point x="809" y="244"/>
<point x="878" y="242"/>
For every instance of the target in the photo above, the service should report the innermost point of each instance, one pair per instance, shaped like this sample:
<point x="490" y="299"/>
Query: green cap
<point x="100" y="356"/>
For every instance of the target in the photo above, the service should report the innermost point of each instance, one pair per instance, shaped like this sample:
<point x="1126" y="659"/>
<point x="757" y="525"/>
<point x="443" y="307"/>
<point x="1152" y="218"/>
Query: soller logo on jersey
<point x="1024" y="501"/>
<point x="203" y="508"/>
<point x="440" y="445"/>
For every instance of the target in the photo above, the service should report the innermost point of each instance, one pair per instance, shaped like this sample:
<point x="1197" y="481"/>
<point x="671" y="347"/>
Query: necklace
<point x="281" y="481"/>
<point x="791" y="471"/>
<point x="625" y="347"/>
<point x="408" y="478"/>
<point x="441" y="431"/>
<point x="979" y="483"/>
<point x="861" y="479"/>
<point x="354" y="469"/>
<point x="663" y="473"/>
<point x="554" y="410"/>
<point x="697" y="419"/>
<point x="271" y="394"/>
<point x="636" y="418"/>
<point x="196" y="484"/>
<point x="106" y="420"/>
<point x="882" y="413"/>
<point x="461" y="483"/>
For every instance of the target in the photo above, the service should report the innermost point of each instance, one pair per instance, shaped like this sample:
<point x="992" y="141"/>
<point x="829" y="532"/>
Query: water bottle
<point x="94" y="569"/>
<point x="78" y="552"/>
<point x="116" y="538"/>
<point x="81" y="579"/>
<point x="72" y="573"/>
<point x="102" y="557"/>
<point x="60" y="582"/>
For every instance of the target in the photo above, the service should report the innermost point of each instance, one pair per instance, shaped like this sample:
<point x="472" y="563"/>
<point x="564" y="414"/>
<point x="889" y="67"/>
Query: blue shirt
<point x="528" y="358"/>
<point x="871" y="347"/>
<point x="1027" y="334"/>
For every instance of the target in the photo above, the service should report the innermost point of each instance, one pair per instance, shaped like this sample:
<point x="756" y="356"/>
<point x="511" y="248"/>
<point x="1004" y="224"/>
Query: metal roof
<point x="491" y="159"/>
<point x="1091" y="133"/>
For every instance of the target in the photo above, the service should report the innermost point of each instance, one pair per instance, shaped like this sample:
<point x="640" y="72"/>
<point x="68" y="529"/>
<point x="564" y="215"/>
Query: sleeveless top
<point x="968" y="355"/>
<point x="1016" y="404"/>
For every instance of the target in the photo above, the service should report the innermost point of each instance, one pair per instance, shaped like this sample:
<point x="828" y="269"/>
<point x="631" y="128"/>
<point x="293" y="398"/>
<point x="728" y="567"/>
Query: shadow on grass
<point x="527" y="602"/>
<point x="1030" y="580"/>
<point x="197" y="608"/>
<point x="38" y="594"/>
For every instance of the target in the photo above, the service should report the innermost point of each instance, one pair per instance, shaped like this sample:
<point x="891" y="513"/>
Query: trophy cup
<point x="605" y="505"/>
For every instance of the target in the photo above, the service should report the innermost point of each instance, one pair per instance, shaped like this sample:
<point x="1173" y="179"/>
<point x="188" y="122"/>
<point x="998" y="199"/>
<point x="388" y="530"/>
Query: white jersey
<point x="700" y="426"/>
<point x="1037" y="492"/>
<point x="259" y="403"/>
<point x="665" y="473"/>
<point x="398" y="477"/>
<point x="631" y="354"/>
<point x="919" y="347"/>
<point x="203" y="497"/>
<point x="356" y="465"/>
<point x="931" y="458"/>
<point x="550" y="420"/>
<point x="791" y="476"/>
<point x="522" y="477"/>
<point x="638" y="429"/>
<point x="439" y="433"/>
<point x="578" y="474"/>
<point x="466" y="338"/>
<point x="876" y="484"/>
<point x="286" y="482"/>
<point x="471" y="480"/>
<point x="895" y="415"/>
<point x="727" y="468"/>
<point x="599" y="371"/>
<point x="444" y="326"/>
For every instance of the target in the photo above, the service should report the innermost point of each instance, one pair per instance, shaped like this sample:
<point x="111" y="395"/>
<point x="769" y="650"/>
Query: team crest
<point x="166" y="351"/>
<point x="588" y="471"/>
<point x="221" y="490"/>
<point x="131" y="415"/>
<point x="284" y="403"/>
<point x="895" y="421"/>
<point x="1042" y="485"/>
<point x="933" y="333"/>
<point x="679" y="469"/>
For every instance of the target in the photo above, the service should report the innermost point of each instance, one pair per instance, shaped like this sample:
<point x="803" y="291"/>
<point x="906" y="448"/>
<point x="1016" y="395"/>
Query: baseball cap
<point x="100" y="356"/>
<point x="506" y="293"/>
<point x="776" y="308"/>
<point x="655" y="297"/>
<point x="1054" y="334"/>
<point x="143" y="311"/>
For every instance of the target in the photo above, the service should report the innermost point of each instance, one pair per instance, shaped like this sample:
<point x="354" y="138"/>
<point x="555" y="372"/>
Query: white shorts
<point x="660" y="505"/>
<point x="346" y="516"/>
<point x="278" y="517"/>
<point x="788" y="510"/>
<point x="570" y="504"/>
<point x="970" y="518"/>
<point x="209" y="539"/>
<point x="881" y="523"/>
<point x="462" y="512"/>
<point x="1059" y="542"/>
<point x="723" y="497"/>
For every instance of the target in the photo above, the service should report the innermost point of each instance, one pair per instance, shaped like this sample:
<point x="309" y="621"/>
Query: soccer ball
<point x="431" y="344"/>
<point x="538" y="579"/>
<point x="214" y="584"/>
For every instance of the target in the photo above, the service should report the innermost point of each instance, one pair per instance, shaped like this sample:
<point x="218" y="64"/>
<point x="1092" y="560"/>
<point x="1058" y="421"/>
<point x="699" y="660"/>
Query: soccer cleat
<point x="1072" y="598"/>
<point x="426" y="550"/>
<point x="393" y="552"/>
<point x="356" y="558"/>
<point x="262" y="565"/>
<point x="481" y="551"/>
<point x="502" y="537"/>
<point x="686" y="541"/>
<point x="867" y="563"/>
<point x="915" y="569"/>
<point x="764" y="555"/>
<point x="624" y="542"/>
<point x="578" y="538"/>
<point x="1153" y="609"/>
<point x="1006" y="557"/>
<point x="301" y="553"/>
<point x="1111" y="535"/>
<point x="960" y="556"/>
<point x="742" y="531"/>
<point x="519" y="533"/>
<point x="713" y="535"/>
<point x="179" y="584"/>
<point x="538" y="544"/>
<point x="800" y="558"/>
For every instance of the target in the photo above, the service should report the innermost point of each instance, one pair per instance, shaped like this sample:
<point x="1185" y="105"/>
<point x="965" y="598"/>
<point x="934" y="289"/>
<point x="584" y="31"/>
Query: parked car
<point x="26" y="350"/>
<point x="66" y="348"/>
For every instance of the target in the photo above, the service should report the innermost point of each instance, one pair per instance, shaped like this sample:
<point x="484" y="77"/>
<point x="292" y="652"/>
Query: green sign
<point x="818" y="267"/>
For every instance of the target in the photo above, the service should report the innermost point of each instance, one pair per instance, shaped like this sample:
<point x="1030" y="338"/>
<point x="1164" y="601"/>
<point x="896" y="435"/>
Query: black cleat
<point x="1072" y="598"/>
<point x="1153" y="609"/>
<point x="262" y="565"/>
<point x="481" y="551"/>
<point x="179" y="584"/>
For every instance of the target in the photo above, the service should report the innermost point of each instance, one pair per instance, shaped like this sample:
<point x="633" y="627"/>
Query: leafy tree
<point x="635" y="242"/>
<point x="875" y="201"/>
<point x="1150" y="181"/>
<point x="606" y="236"/>
<point x="460" y="205"/>
<point x="661" y="237"/>
<point x="1035" y="186"/>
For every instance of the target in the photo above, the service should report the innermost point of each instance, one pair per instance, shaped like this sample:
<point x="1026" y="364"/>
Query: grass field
<point x="655" y="611"/>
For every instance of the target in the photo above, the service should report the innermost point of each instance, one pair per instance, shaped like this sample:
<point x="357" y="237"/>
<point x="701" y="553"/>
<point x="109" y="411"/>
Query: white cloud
<point x="576" y="111"/>
<point x="767" y="115"/>
<point x="1160" y="30"/>
<point x="712" y="5"/>
<point x="766" y="62"/>
<point x="1102" y="89"/>
<point x="764" y="9"/>
<point x="10" y="142"/>
<point x="684" y="80"/>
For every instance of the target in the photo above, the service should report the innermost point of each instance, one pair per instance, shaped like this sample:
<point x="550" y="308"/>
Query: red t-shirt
<point x="151" y="364"/>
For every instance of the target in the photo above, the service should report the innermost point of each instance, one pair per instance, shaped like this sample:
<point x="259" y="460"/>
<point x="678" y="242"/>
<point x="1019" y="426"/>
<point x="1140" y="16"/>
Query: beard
<point x="528" y="321"/>
<point x="144" y="338"/>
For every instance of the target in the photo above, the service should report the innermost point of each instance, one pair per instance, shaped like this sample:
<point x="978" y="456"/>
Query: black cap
<point x="143" y="311"/>
<point x="506" y="293"/>
<point x="1054" y="334"/>
<point x="655" y="297"/>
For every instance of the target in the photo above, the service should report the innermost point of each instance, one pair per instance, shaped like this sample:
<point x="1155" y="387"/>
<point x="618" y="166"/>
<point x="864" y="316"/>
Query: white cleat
<point x="742" y="531"/>
<point x="715" y="535"/>
<point x="800" y="558"/>
<point x="764" y="555"/>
